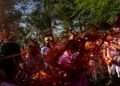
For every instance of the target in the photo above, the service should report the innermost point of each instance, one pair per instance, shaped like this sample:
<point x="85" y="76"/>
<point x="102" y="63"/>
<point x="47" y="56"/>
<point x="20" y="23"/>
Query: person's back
<point x="9" y="62"/>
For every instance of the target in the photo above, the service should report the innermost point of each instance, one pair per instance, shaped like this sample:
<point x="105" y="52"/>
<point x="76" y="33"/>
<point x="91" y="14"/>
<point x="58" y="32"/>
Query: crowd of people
<point x="76" y="60"/>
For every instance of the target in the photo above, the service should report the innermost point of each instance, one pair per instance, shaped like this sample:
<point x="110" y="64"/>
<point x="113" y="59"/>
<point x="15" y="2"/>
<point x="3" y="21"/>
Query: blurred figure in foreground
<point x="9" y="63"/>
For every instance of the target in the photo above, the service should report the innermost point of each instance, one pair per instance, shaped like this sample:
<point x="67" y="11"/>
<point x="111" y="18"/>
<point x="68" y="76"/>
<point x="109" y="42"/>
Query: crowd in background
<point x="73" y="61"/>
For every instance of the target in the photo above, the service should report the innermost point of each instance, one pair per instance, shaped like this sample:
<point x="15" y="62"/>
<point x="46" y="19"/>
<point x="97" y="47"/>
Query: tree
<point x="52" y="10"/>
<point x="42" y="19"/>
<point x="9" y="17"/>
<point x="97" y="12"/>
<point x="63" y="11"/>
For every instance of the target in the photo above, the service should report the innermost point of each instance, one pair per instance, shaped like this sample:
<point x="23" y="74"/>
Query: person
<point x="48" y="46"/>
<point x="116" y="55"/>
<point x="9" y="63"/>
<point x="68" y="62"/>
<point x="72" y="42"/>
<point x="33" y="58"/>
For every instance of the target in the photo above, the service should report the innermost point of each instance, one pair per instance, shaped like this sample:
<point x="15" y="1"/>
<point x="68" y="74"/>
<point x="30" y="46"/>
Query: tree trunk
<point x="80" y="26"/>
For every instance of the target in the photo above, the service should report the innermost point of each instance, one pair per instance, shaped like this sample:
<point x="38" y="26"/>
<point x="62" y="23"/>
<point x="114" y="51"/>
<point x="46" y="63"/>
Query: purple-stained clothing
<point x="79" y="80"/>
<point x="67" y="57"/>
<point x="64" y="58"/>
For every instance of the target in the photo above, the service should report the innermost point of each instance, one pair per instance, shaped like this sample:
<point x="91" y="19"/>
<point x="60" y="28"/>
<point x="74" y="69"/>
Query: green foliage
<point x="101" y="12"/>
<point x="97" y="11"/>
<point x="64" y="10"/>
<point x="42" y="19"/>
<point x="39" y="20"/>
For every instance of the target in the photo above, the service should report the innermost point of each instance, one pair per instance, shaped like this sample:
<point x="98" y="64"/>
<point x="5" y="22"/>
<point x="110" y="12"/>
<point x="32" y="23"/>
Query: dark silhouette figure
<point x="9" y="63"/>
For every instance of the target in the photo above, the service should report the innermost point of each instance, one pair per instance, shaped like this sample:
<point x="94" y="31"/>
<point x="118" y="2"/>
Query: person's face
<point x="47" y="41"/>
<point x="71" y="36"/>
<point x="99" y="42"/>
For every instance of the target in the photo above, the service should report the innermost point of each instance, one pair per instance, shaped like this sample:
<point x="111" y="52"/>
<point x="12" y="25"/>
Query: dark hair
<point x="11" y="58"/>
<point x="34" y="49"/>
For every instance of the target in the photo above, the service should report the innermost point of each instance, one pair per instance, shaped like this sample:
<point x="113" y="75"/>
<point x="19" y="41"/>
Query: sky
<point x="26" y="7"/>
